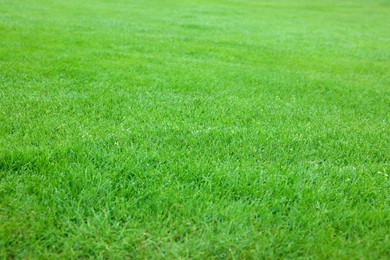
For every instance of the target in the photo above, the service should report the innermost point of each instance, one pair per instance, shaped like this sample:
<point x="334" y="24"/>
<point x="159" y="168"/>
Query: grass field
<point x="194" y="129"/>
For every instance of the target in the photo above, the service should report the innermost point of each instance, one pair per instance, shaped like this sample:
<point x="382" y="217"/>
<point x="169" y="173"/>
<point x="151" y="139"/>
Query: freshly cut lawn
<point x="194" y="129"/>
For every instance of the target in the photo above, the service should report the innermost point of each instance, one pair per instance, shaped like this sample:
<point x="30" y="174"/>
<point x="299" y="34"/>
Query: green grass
<point x="194" y="129"/>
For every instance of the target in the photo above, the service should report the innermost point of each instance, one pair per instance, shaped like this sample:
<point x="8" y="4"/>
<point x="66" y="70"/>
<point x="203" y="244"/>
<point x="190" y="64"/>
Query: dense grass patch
<point x="223" y="129"/>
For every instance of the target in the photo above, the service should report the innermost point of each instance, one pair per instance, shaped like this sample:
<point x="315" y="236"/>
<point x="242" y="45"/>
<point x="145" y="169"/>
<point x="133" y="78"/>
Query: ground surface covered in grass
<point x="218" y="128"/>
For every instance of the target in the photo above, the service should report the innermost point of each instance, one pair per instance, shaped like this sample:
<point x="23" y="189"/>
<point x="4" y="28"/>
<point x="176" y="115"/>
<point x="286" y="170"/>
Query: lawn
<point x="198" y="129"/>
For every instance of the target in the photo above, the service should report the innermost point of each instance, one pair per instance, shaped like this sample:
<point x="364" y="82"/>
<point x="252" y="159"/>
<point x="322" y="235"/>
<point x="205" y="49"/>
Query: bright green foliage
<point x="195" y="128"/>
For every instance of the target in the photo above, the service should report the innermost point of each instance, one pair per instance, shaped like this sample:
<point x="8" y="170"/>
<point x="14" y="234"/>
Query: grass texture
<point x="194" y="129"/>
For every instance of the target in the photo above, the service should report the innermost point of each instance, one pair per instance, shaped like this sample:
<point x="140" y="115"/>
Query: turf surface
<point x="194" y="129"/>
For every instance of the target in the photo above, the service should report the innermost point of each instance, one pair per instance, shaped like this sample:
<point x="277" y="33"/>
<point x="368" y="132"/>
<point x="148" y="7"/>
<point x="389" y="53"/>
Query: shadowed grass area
<point x="194" y="129"/>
